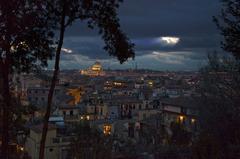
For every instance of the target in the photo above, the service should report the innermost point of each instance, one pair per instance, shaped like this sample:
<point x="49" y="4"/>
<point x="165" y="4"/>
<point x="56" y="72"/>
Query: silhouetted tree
<point x="220" y="91"/>
<point x="229" y="24"/>
<point x="180" y="136"/>
<point x="207" y="147"/>
<point x="90" y="143"/>
<point x="98" y="13"/>
<point x="153" y="136"/>
<point x="25" y="43"/>
<point x="220" y="111"/>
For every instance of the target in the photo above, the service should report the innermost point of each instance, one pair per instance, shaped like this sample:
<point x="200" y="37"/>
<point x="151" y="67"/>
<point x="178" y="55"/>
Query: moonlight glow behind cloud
<point x="167" y="40"/>
<point x="68" y="51"/>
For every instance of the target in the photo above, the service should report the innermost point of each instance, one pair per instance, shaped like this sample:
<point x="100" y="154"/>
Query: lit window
<point x="22" y="148"/>
<point x="181" y="118"/>
<point x="107" y="129"/>
<point x="150" y="83"/>
<point x="117" y="83"/>
<point x="88" y="117"/>
<point x="193" y="120"/>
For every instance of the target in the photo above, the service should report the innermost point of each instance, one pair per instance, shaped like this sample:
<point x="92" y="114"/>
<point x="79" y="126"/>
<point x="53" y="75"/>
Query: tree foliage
<point x="26" y="40"/>
<point x="228" y="23"/>
<point x="101" y="14"/>
<point x="220" y="91"/>
<point x="90" y="143"/>
<point x="180" y="136"/>
<point x="26" y="36"/>
<point x="220" y="112"/>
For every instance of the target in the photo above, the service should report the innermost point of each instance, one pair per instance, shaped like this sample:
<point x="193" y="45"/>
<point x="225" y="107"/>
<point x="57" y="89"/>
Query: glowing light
<point x="15" y="47"/>
<point x="117" y="83"/>
<point x="150" y="83"/>
<point x="193" y="120"/>
<point x="81" y="117"/>
<point x="181" y="118"/>
<point x="76" y="93"/>
<point x="66" y="50"/>
<point x="94" y="70"/>
<point x="107" y="129"/>
<point x="22" y="148"/>
<point x="88" y="117"/>
<point x="168" y="40"/>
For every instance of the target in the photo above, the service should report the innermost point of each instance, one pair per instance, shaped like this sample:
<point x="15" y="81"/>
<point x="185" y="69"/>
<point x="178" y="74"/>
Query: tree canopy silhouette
<point x="219" y="87"/>
<point x="228" y="22"/>
<point x="26" y="40"/>
<point x="101" y="14"/>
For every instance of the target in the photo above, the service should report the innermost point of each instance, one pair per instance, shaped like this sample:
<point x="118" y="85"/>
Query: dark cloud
<point x="87" y="46"/>
<point x="168" y="17"/>
<point x="146" y="20"/>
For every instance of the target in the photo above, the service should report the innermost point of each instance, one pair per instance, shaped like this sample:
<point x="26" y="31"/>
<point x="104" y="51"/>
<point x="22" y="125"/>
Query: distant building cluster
<point x="121" y="103"/>
<point x="94" y="70"/>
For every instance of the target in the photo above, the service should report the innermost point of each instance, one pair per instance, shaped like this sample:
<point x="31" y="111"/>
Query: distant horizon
<point x="129" y="65"/>
<point x="128" y="69"/>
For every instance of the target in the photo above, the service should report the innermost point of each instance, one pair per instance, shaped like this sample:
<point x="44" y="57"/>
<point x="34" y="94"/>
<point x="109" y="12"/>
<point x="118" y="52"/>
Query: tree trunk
<point x="53" y="84"/>
<point x="4" y="70"/>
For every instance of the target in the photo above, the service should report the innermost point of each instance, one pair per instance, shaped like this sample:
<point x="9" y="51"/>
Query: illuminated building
<point x="94" y="70"/>
<point x="193" y="120"/>
<point x="107" y="129"/>
<point x="76" y="93"/>
<point x="150" y="83"/>
<point x="57" y="144"/>
<point x="181" y="118"/>
<point x="114" y="84"/>
<point x="88" y="117"/>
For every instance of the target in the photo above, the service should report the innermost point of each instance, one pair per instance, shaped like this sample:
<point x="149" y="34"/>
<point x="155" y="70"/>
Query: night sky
<point x="168" y="34"/>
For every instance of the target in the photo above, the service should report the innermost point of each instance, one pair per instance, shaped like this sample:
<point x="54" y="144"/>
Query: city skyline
<point x="120" y="79"/>
<point x="159" y="44"/>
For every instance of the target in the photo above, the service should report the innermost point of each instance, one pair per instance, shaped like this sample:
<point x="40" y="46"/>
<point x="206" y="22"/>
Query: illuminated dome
<point x="97" y="66"/>
<point x="95" y="70"/>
